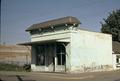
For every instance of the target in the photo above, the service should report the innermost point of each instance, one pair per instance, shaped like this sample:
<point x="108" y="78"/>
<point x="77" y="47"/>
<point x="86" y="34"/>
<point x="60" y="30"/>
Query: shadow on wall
<point x="20" y="79"/>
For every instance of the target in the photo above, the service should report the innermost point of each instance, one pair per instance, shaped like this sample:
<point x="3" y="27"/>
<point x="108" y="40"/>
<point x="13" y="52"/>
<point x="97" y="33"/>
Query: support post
<point x="33" y="60"/>
<point x="55" y="57"/>
<point x="46" y="64"/>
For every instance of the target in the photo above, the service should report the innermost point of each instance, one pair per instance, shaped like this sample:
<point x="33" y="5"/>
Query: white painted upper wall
<point x="90" y="49"/>
<point x="60" y="34"/>
<point x="63" y="35"/>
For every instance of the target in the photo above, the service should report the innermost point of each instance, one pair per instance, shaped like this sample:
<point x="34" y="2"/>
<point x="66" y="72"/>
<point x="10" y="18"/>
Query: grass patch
<point x="10" y="67"/>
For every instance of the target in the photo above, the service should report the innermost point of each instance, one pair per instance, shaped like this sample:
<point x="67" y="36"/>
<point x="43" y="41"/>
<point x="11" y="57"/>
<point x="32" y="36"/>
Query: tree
<point x="111" y="25"/>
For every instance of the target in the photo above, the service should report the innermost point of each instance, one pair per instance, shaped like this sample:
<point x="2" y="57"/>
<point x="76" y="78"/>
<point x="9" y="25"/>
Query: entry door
<point x="61" y="57"/>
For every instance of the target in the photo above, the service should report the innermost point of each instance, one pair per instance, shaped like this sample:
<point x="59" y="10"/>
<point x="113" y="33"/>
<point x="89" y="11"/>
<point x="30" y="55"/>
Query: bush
<point x="27" y="67"/>
<point x="10" y="67"/>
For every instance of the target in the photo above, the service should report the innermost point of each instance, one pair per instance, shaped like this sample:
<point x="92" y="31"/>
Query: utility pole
<point x="0" y="23"/>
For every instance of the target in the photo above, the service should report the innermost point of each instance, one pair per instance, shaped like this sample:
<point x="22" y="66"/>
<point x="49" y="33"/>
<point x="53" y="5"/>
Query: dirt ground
<point x="41" y="76"/>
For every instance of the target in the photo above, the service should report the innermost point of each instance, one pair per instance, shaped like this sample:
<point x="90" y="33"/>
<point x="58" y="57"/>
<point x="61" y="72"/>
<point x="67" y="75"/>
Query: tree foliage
<point x="111" y="25"/>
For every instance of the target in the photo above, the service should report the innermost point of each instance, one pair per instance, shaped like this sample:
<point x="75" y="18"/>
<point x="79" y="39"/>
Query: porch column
<point x="33" y="58"/>
<point x="47" y="50"/>
<point x="55" y="58"/>
<point x="68" y="57"/>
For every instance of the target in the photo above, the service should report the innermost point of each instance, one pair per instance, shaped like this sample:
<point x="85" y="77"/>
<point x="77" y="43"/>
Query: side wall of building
<point x="15" y="54"/>
<point x="90" y="51"/>
<point x="114" y="61"/>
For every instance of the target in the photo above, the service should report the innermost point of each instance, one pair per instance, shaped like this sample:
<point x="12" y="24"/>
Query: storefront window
<point x="118" y="59"/>
<point x="40" y="55"/>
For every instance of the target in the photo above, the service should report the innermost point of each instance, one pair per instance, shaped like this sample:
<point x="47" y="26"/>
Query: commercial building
<point x="61" y="46"/>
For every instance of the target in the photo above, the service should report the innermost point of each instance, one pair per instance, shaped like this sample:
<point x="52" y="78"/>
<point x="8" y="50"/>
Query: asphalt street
<point x="41" y="76"/>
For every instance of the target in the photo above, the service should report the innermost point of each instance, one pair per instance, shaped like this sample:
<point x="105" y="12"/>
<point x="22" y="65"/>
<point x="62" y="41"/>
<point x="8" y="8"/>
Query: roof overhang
<point x="55" y="22"/>
<point x="41" y="42"/>
<point x="37" y="42"/>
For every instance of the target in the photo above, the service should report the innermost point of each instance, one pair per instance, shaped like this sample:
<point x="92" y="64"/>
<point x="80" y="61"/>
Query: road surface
<point x="41" y="76"/>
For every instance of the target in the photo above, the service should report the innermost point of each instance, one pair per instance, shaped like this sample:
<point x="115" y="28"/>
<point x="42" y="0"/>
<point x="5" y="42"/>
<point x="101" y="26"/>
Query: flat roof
<point x="116" y="47"/>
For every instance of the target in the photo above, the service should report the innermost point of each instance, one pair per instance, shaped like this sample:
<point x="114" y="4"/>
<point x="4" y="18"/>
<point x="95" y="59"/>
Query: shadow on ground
<point x="1" y="79"/>
<point x="20" y="79"/>
<point x="117" y="80"/>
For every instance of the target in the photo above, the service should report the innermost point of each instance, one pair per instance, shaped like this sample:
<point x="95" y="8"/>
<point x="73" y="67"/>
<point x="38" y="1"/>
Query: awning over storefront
<point x="37" y="42"/>
<point x="40" y="42"/>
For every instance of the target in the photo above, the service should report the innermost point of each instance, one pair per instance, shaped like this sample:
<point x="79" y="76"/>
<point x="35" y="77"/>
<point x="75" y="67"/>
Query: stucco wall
<point x="63" y="35"/>
<point x="114" y="61"/>
<point x="90" y="51"/>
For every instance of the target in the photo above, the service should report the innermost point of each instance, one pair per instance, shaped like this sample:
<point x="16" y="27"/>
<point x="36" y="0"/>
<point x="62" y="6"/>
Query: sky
<point x="18" y="15"/>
